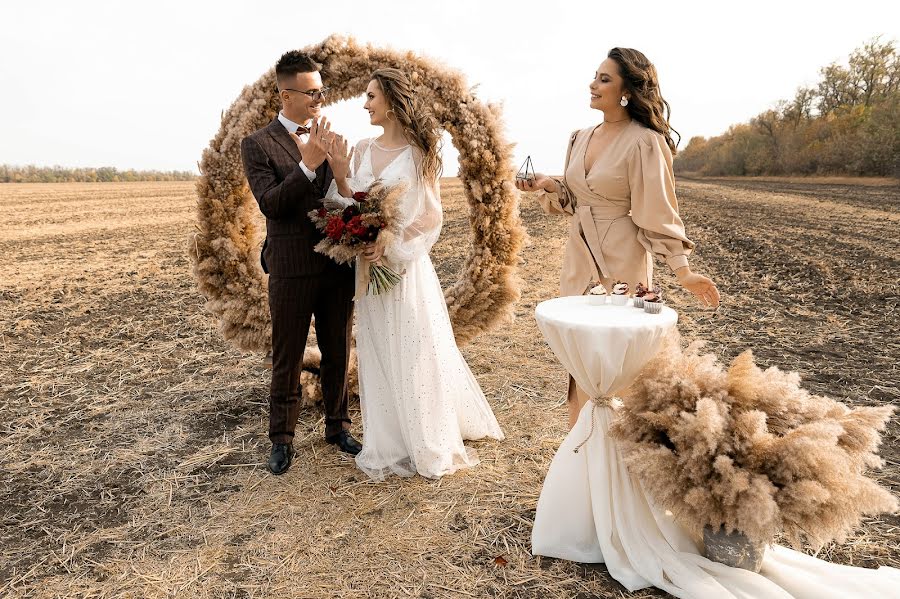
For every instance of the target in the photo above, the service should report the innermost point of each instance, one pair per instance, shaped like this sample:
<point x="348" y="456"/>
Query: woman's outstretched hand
<point x="701" y="287"/>
<point x="339" y="157"/>
<point x="540" y="182"/>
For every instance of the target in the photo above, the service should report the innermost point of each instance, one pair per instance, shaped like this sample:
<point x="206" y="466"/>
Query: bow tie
<point x="301" y="130"/>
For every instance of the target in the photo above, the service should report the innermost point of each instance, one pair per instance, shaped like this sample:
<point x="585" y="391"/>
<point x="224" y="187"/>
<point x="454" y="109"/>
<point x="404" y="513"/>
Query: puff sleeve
<point x="422" y="218"/>
<point x="654" y="207"/>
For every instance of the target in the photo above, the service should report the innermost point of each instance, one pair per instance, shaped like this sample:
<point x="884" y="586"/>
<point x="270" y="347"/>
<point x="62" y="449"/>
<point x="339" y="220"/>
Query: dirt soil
<point x="133" y="438"/>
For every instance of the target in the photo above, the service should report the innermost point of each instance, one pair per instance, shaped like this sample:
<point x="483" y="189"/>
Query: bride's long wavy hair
<point x="418" y="123"/>
<point x="645" y="103"/>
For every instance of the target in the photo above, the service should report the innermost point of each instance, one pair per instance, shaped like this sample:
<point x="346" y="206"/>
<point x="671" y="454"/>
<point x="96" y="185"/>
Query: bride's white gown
<point x="419" y="399"/>
<point x="592" y="510"/>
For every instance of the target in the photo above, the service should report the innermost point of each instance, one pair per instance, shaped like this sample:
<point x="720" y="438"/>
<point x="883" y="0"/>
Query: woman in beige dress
<point x="619" y="189"/>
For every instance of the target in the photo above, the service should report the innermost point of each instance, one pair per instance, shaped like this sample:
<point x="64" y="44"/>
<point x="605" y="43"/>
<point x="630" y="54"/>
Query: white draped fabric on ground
<point x="418" y="396"/>
<point x="592" y="510"/>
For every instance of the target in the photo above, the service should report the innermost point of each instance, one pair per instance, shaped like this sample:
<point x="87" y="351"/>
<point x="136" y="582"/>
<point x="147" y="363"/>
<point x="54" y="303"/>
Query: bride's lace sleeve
<point x="333" y="196"/>
<point x="421" y="218"/>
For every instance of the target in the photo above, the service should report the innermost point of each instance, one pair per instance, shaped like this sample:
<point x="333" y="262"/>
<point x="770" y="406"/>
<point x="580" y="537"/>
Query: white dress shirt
<point x="291" y="127"/>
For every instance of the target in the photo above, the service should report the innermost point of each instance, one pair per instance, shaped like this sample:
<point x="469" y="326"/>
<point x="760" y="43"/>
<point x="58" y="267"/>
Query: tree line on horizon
<point x="103" y="174"/>
<point x="846" y="124"/>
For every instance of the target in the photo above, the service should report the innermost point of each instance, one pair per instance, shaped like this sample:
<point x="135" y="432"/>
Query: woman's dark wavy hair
<point x="645" y="102"/>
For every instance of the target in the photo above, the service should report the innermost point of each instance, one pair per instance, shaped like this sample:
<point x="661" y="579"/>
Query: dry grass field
<point x="133" y="438"/>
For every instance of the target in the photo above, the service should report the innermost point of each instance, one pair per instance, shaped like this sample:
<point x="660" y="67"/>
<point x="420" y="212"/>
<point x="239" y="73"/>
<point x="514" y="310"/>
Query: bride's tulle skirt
<point x="418" y="396"/>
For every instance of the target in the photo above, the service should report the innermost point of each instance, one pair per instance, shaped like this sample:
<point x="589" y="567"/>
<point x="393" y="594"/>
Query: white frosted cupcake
<point x="619" y="295"/>
<point x="653" y="302"/>
<point x="597" y="295"/>
<point x="639" y="293"/>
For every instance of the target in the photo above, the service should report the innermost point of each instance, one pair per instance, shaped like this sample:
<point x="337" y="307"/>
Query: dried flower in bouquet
<point x="372" y="219"/>
<point x="750" y="450"/>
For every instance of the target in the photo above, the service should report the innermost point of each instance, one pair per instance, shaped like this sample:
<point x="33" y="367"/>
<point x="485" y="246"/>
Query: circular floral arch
<point x="225" y="249"/>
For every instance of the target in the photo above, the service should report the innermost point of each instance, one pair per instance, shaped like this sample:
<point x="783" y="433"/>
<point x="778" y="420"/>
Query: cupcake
<point x="597" y="295"/>
<point x="653" y="301"/>
<point x="620" y="294"/>
<point x="639" y="293"/>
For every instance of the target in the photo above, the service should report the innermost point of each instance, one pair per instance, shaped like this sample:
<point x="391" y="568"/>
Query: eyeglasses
<point x="317" y="94"/>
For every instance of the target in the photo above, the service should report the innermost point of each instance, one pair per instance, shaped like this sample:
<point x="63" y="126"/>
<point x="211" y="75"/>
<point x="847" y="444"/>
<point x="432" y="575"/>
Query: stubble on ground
<point x="133" y="440"/>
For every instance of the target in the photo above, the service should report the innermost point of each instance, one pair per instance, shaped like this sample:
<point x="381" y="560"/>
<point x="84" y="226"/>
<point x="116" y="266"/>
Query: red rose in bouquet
<point x="349" y="230"/>
<point x="335" y="228"/>
<point x="356" y="227"/>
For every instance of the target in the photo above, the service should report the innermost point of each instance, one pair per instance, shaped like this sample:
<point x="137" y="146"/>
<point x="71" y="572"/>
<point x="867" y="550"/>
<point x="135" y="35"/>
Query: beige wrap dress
<point x="624" y="211"/>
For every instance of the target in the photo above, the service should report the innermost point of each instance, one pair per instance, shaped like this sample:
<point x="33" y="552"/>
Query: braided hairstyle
<point x="418" y="123"/>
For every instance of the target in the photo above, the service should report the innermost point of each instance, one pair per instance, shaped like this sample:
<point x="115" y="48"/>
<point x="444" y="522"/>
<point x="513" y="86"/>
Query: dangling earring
<point x="623" y="101"/>
<point x="391" y="110"/>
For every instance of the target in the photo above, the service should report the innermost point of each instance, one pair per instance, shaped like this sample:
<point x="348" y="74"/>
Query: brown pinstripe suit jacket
<point x="285" y="195"/>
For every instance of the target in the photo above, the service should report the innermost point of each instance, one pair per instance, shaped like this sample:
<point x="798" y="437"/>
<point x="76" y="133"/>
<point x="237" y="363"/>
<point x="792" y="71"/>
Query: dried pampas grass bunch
<point x="225" y="249"/>
<point x="750" y="450"/>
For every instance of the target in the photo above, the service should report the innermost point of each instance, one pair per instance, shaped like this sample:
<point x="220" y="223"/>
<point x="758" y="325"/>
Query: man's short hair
<point x="294" y="62"/>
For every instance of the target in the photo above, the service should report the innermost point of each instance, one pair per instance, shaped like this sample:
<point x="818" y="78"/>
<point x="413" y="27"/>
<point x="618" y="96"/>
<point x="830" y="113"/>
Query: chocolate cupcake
<point x="653" y="301"/>
<point x="639" y="293"/>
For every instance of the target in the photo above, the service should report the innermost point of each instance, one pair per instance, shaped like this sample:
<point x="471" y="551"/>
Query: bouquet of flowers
<point x="348" y="231"/>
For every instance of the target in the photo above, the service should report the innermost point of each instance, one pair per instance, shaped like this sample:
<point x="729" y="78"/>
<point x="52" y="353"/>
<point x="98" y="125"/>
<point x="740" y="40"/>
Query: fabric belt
<point x="585" y="224"/>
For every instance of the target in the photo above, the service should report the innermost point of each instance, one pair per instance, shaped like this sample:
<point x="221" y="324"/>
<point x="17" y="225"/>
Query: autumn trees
<point x="847" y="124"/>
<point x="103" y="174"/>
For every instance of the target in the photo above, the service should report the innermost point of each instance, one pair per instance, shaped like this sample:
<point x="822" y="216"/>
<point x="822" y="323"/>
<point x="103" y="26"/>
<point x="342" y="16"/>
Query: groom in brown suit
<point x="287" y="169"/>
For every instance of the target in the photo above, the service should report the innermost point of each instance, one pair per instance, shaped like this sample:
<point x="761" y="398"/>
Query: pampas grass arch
<point x="225" y="248"/>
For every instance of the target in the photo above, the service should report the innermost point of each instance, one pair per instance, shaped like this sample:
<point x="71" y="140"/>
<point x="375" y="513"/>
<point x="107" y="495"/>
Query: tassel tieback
<point x="598" y="402"/>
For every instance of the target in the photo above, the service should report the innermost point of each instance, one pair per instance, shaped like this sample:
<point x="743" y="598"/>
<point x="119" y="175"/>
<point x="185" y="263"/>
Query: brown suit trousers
<point x="302" y="282"/>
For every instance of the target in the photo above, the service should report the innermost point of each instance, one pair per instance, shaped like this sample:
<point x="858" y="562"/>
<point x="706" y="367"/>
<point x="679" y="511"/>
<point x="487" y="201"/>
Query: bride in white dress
<point x="419" y="399"/>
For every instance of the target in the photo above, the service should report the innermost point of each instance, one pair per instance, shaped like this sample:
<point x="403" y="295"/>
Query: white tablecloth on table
<point x="602" y="347"/>
<point x="592" y="510"/>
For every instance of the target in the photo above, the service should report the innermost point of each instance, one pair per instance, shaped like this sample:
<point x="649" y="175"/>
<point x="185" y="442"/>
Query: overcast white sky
<point x="142" y="84"/>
